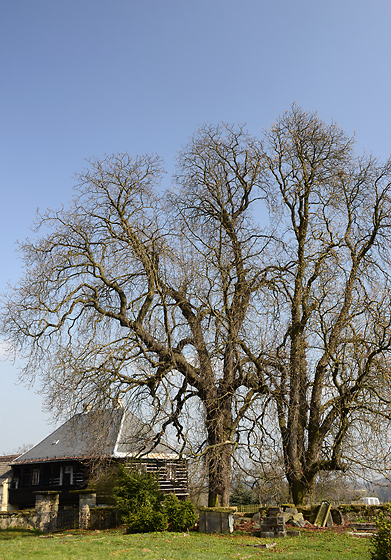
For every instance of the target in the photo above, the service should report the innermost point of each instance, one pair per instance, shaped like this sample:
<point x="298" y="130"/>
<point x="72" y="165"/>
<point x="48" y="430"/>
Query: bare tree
<point x="182" y="297"/>
<point x="129" y="292"/>
<point x="325" y="356"/>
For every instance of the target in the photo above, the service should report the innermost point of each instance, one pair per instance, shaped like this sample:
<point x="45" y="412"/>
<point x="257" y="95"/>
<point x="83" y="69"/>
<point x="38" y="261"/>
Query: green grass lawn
<point x="115" y="545"/>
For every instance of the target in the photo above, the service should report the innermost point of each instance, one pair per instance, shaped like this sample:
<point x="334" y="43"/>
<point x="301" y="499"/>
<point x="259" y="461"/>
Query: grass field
<point x="115" y="545"/>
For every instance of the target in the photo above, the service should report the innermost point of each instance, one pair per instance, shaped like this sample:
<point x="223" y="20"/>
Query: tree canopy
<point x="257" y="286"/>
<point x="326" y="350"/>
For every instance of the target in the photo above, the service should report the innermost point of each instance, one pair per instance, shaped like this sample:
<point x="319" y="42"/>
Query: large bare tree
<point x="132" y="291"/>
<point x="274" y="324"/>
<point x="326" y="351"/>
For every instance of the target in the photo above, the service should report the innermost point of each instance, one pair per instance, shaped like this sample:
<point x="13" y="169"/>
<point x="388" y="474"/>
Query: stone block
<point x="216" y="522"/>
<point x="274" y="511"/>
<point x="293" y="534"/>
<point x="280" y="535"/>
<point x="291" y="510"/>
<point x="269" y="521"/>
<point x="266" y="545"/>
<point x="299" y="522"/>
<point x="267" y="535"/>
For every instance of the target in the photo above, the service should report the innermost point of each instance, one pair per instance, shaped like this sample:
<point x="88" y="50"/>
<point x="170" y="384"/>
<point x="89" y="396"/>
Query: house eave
<point x="151" y="455"/>
<point x="55" y="459"/>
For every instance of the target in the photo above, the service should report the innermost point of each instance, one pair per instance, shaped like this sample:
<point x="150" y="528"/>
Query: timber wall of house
<point x="171" y="475"/>
<point x="49" y="474"/>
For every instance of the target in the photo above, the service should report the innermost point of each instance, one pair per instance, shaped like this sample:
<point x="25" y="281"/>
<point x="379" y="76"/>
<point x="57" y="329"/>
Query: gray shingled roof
<point x="105" y="433"/>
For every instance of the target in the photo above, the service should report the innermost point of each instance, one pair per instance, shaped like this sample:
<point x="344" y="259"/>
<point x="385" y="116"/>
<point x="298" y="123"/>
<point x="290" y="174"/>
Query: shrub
<point x="105" y="479"/>
<point x="146" y="520"/>
<point x="381" y="543"/>
<point x="136" y="492"/>
<point x="181" y="514"/>
<point x="144" y="508"/>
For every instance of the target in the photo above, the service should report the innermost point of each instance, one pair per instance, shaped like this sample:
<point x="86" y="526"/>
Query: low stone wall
<point x="46" y="515"/>
<point x="104" y="517"/>
<point x="43" y="517"/>
<point x="343" y="513"/>
<point x="363" y="512"/>
<point x="22" y="519"/>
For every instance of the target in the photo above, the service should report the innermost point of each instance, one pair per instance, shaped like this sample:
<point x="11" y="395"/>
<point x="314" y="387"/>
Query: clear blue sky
<point x="88" y="77"/>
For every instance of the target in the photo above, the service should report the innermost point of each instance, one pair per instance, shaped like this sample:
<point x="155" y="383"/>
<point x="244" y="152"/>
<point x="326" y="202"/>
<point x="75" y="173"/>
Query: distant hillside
<point x="381" y="488"/>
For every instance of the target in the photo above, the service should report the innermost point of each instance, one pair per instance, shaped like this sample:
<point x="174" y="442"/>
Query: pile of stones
<point x="273" y="526"/>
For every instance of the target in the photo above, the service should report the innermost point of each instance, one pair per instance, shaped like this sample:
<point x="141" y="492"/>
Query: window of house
<point x="171" y="472"/>
<point x="68" y="475"/>
<point x="35" y="477"/>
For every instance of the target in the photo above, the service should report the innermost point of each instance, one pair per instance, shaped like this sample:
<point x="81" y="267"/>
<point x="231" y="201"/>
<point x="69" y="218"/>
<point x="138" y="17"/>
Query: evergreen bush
<point x="146" y="520"/>
<point x="144" y="508"/>
<point x="181" y="514"/>
<point x="381" y="542"/>
<point x="136" y="492"/>
<point x="242" y="495"/>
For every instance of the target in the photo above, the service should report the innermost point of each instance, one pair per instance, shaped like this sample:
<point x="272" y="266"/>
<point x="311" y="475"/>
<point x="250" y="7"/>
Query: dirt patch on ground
<point x="251" y="526"/>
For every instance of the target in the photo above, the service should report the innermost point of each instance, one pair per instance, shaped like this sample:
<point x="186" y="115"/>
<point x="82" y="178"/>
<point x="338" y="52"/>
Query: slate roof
<point x="104" y="433"/>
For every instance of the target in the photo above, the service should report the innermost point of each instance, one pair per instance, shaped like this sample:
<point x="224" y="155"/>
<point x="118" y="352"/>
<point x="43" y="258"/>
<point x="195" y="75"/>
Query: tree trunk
<point x="219" y="475"/>
<point x="301" y="490"/>
<point x="219" y="427"/>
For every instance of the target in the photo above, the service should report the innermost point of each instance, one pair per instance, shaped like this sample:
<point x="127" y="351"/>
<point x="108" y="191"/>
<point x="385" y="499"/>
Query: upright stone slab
<point x="216" y="520"/>
<point x="46" y="504"/>
<point x="323" y="514"/>
<point x="337" y="517"/>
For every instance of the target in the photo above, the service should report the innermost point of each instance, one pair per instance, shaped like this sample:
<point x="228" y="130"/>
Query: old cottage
<point x="63" y="461"/>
